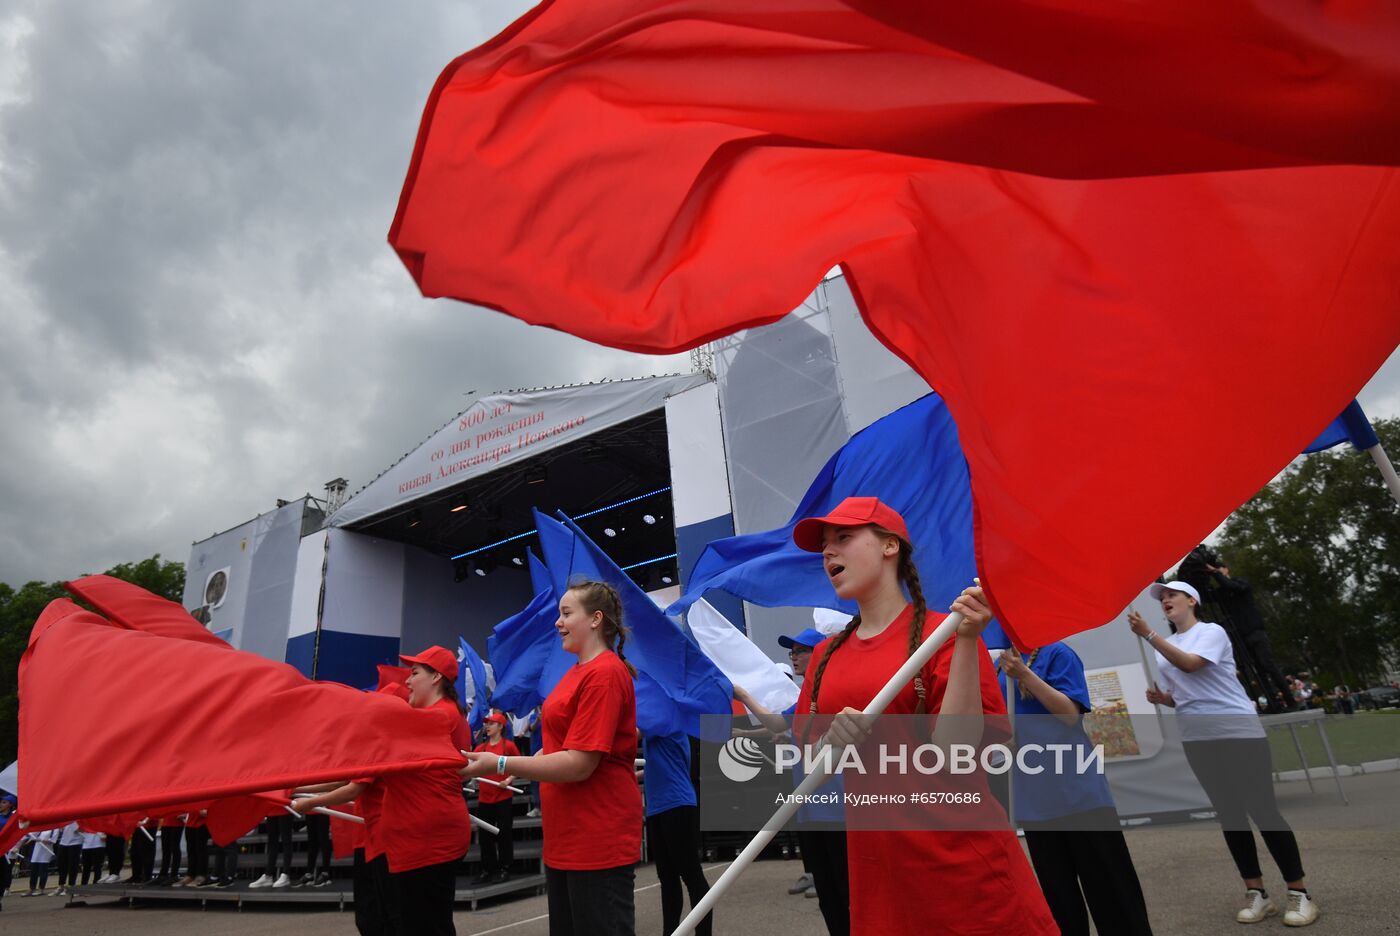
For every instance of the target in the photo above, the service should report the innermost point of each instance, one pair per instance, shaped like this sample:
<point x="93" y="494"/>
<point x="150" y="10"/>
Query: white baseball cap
<point x="1177" y="586"/>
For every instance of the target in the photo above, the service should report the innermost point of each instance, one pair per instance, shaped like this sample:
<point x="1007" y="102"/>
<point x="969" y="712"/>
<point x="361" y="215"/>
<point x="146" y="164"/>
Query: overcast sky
<point x="201" y="313"/>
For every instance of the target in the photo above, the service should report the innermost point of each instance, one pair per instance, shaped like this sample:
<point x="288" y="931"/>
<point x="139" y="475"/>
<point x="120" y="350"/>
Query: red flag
<point x="1073" y="219"/>
<point x="134" y="608"/>
<point x="115" y="720"/>
<point x="393" y="676"/>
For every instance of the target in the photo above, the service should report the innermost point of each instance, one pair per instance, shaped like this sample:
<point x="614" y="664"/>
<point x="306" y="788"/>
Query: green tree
<point x="1321" y="545"/>
<point x="20" y="608"/>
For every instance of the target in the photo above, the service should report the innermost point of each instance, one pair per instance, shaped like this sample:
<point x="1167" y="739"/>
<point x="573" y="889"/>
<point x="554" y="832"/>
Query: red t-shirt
<point x="424" y="817"/>
<point x="985" y="872"/>
<point x="595" y="823"/>
<point x="369" y="805"/>
<point x="485" y="791"/>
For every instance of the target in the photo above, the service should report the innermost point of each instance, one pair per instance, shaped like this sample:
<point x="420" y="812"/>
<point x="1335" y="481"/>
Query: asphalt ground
<point x="1351" y="854"/>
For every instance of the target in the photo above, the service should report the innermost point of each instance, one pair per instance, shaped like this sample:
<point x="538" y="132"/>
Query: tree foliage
<point x="20" y="608"/>
<point x="1321" y="545"/>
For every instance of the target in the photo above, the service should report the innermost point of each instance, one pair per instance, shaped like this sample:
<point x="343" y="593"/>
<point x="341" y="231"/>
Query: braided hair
<point x="1030" y="661"/>
<point x="909" y="578"/>
<point x="600" y="596"/>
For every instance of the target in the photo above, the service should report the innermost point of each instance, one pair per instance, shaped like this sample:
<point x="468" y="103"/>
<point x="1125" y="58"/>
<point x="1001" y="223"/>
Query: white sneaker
<point x="264" y="881"/>
<point x="60" y="892"/>
<point x="1256" y="908"/>
<point x="1302" y="909"/>
<point x="533" y="813"/>
<point x="282" y="881"/>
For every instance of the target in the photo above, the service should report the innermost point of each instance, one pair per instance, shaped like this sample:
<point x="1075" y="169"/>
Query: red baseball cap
<point x="438" y="658"/>
<point x="498" y="717"/>
<point x="853" y="511"/>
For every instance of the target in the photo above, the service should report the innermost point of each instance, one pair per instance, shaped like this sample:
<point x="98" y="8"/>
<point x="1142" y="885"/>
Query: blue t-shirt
<point x="667" y="775"/>
<point x="1049" y="795"/>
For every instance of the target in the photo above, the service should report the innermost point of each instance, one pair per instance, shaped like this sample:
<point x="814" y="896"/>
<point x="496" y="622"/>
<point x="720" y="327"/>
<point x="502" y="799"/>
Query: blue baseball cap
<point x="809" y="638"/>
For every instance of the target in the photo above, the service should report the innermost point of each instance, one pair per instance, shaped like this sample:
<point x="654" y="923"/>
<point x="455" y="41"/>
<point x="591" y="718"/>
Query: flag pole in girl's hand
<point x="818" y="776"/>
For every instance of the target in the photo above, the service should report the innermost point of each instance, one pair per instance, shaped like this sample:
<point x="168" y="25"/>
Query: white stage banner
<point x="505" y="428"/>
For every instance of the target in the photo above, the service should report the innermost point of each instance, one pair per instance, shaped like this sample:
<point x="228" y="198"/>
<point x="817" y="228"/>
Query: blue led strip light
<point x="511" y="539"/>
<point x="630" y="500"/>
<point x="637" y="565"/>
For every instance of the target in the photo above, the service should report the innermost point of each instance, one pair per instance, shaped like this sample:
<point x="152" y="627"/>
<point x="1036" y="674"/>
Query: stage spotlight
<point x="484" y="565"/>
<point x="415" y="517"/>
<point x="458" y="507"/>
<point x="648" y="519"/>
<point x="460" y="570"/>
<point x="609" y="532"/>
<point x="517" y="560"/>
<point x="667" y="579"/>
<point x="536" y="475"/>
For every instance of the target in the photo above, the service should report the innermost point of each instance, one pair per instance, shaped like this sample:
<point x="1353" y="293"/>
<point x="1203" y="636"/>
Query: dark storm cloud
<point x="202" y="312"/>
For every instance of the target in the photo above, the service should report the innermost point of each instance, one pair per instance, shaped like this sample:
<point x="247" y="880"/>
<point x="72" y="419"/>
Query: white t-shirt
<point x="93" y="840"/>
<point x="70" y="835"/>
<point x="1213" y="690"/>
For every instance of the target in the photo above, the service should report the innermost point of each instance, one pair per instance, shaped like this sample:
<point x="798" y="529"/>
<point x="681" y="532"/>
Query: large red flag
<point x="135" y="608"/>
<point x="1074" y="219"/>
<point x="118" y="721"/>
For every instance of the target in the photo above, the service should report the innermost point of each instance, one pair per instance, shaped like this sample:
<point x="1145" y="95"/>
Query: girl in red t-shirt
<point x="590" y="801"/>
<point x="974" y="881"/>
<point x="425" y="827"/>
<point x="494" y="806"/>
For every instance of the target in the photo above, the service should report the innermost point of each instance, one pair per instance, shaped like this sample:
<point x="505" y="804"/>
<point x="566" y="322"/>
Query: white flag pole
<point x="1382" y="460"/>
<point x="1146" y="669"/>
<point x="1011" y="724"/>
<point x="348" y="817"/>
<point x="817" y="777"/>
<point x="503" y="786"/>
<point x="484" y="825"/>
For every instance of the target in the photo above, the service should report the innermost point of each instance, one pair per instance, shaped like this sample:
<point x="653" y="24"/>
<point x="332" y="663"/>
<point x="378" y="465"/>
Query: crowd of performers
<point x="417" y="829"/>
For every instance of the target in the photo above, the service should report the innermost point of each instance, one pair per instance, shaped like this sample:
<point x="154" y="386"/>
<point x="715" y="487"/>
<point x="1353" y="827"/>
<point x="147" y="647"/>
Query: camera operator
<point x="1234" y="597"/>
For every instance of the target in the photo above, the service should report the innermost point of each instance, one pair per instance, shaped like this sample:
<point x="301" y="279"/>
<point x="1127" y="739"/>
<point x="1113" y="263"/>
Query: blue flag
<point x="1352" y="426"/>
<point x="911" y="460"/>
<point x="525" y="650"/>
<point x="676" y="683"/>
<point x="469" y="661"/>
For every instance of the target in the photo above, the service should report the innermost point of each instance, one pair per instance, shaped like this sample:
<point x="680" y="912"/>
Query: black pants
<point x="497" y="851"/>
<point x="376" y="897"/>
<point x="170" y="837"/>
<point x="1237" y="775"/>
<point x="1257" y="642"/>
<point x="38" y="874"/>
<point x="425" y="899"/>
<point x="116" y="853"/>
<point x="197" y="844"/>
<point x="92" y="863"/>
<point x="69" y="858"/>
<point x="1075" y="867"/>
<point x="318" y="842"/>
<point x="585" y="903"/>
<point x="143" y="856"/>
<point x="225" y="861"/>
<point x="826" y="854"/>
<point x="6" y="875"/>
<point x="673" y="837"/>
<point x="279" y="842"/>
